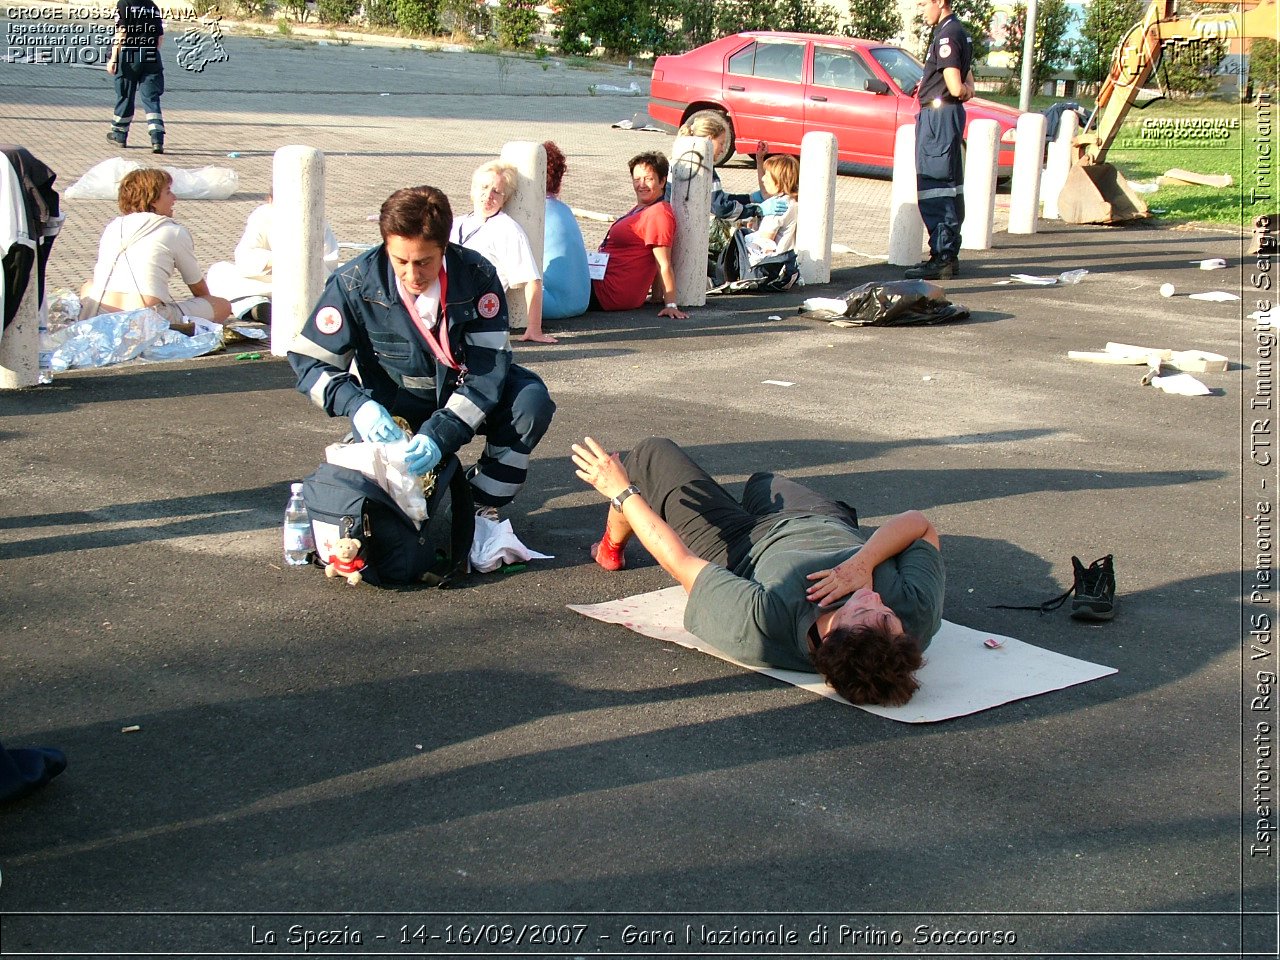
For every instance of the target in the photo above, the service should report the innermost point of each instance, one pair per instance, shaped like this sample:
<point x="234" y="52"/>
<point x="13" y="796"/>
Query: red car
<point x="776" y="87"/>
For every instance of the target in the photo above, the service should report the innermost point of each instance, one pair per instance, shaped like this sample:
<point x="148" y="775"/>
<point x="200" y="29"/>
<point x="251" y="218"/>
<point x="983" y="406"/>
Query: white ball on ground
<point x="1166" y="289"/>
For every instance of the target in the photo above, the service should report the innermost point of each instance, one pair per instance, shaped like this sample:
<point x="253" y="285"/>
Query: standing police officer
<point x="135" y="63"/>
<point x="947" y="83"/>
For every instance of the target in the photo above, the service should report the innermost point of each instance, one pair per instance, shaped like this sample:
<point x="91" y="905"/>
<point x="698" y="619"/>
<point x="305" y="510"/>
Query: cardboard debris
<point x="1190" y="361"/>
<point x="1178" y="177"/>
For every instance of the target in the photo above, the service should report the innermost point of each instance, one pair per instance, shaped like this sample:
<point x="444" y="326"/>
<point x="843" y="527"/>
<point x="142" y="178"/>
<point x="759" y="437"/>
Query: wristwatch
<point x="671" y="306"/>
<point x="621" y="498"/>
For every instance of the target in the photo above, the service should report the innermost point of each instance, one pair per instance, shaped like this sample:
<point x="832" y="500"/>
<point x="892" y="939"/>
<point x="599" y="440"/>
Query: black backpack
<point x="732" y="270"/>
<point x="345" y="503"/>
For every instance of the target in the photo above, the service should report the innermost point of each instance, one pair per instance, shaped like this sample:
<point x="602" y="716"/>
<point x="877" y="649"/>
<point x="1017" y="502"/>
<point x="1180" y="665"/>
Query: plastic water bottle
<point x="298" y="541"/>
<point x="44" y="355"/>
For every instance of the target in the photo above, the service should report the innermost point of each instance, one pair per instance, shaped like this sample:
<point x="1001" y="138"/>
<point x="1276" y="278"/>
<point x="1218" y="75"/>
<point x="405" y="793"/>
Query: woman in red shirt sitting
<point x="637" y="247"/>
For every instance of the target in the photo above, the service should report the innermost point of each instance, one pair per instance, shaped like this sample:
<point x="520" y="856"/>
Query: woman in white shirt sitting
<point x="502" y="241"/>
<point x="138" y="253"/>
<point x="250" y="274"/>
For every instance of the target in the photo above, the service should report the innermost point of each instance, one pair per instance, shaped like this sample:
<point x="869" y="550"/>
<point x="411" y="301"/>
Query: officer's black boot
<point x="157" y="143"/>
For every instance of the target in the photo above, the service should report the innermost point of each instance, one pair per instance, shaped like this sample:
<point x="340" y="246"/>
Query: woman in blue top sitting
<point x="566" y="284"/>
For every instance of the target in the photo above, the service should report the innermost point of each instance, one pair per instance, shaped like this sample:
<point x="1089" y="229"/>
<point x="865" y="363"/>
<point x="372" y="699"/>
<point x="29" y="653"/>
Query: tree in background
<point x="873" y="20"/>
<point x="1190" y="68"/>
<point x="976" y="15"/>
<point x="1106" y="23"/>
<point x="1264" y="65"/>
<point x="1052" y="50"/>
<point x="418" y="16"/>
<point x="518" y="21"/>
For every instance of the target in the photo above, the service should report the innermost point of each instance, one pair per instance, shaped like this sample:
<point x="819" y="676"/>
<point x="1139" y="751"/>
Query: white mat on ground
<point x="961" y="676"/>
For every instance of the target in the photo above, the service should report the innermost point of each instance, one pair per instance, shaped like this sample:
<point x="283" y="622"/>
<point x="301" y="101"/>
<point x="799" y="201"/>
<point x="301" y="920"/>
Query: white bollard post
<point x="528" y="208"/>
<point x="981" y="160"/>
<point x="1059" y="164"/>
<point x="20" y="345"/>
<point x="906" y="229"/>
<point x="815" y="223"/>
<point x="297" y="241"/>
<point x="691" y="173"/>
<point x="1028" y="155"/>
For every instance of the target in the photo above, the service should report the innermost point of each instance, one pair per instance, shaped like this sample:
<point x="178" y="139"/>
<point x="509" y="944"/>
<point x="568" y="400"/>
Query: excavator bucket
<point x="1098" y="193"/>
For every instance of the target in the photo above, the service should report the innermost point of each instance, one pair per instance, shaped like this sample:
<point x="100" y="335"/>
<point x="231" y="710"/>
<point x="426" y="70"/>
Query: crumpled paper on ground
<point x="112" y="338"/>
<point x="495" y="543"/>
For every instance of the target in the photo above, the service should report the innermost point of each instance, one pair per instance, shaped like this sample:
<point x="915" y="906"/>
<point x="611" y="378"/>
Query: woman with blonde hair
<point x="493" y="234"/>
<point x="139" y="252"/>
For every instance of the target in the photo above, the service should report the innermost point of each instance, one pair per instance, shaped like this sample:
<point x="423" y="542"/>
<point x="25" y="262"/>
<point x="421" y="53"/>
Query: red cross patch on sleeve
<point x="488" y="306"/>
<point x="329" y="320"/>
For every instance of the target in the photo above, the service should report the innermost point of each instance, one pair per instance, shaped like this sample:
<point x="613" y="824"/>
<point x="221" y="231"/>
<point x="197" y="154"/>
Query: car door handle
<point x="819" y="99"/>
<point x="736" y="88"/>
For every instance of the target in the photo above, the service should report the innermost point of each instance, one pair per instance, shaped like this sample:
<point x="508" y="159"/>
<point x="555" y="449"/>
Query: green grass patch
<point x="1168" y="135"/>
<point x="1204" y="137"/>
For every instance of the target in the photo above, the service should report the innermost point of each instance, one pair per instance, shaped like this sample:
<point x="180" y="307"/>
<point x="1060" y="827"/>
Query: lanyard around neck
<point x="439" y="347"/>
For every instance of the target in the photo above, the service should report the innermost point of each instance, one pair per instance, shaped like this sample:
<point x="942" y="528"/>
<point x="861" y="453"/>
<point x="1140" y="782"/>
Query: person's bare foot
<point x="538" y="337"/>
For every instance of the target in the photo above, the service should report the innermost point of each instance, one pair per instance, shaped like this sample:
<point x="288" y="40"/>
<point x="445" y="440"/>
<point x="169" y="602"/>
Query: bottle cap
<point x="296" y="487"/>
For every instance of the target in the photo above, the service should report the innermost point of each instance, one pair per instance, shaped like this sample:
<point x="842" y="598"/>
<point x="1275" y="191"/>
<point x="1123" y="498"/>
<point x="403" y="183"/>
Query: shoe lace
<point x="1090" y="581"/>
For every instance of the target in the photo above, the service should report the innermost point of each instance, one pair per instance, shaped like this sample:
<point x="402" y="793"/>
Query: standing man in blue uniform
<point x="947" y="83"/>
<point x="135" y="63"/>
<point x="417" y="328"/>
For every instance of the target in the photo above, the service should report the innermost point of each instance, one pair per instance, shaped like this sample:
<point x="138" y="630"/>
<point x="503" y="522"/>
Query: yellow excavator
<point x="1095" y="191"/>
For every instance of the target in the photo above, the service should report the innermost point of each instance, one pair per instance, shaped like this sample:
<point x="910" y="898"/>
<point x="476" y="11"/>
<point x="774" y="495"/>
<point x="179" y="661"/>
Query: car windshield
<point x="905" y="69"/>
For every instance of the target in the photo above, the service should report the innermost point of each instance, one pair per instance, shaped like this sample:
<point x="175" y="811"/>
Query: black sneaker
<point x="934" y="270"/>
<point x="1094" y="590"/>
<point x="1092" y="595"/>
<point x="157" y="146"/>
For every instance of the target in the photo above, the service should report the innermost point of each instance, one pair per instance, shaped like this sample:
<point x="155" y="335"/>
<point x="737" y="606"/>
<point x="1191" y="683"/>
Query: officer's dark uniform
<point x="139" y="71"/>
<point x="939" y="136"/>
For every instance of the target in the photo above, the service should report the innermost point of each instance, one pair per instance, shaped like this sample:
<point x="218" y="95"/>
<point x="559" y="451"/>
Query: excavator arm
<point x="1139" y="54"/>
<point x="1095" y="191"/>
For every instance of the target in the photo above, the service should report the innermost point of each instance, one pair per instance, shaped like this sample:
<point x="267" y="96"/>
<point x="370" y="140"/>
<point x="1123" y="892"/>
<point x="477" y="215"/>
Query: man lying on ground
<point x="782" y="579"/>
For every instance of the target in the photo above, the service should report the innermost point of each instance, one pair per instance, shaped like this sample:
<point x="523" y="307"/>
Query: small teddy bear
<point x="345" y="561"/>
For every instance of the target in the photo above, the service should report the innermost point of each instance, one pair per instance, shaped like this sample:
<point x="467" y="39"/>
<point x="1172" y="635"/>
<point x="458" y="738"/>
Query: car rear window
<point x="841" y="69"/>
<point x="770" y="61"/>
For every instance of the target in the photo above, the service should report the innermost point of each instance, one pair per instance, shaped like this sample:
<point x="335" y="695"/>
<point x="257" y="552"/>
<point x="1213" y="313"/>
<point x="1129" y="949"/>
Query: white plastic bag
<point x="102" y="182"/>
<point x="383" y="463"/>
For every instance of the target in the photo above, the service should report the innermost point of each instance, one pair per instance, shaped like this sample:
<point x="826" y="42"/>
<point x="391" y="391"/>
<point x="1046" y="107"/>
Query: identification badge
<point x="944" y="50"/>
<point x="597" y="263"/>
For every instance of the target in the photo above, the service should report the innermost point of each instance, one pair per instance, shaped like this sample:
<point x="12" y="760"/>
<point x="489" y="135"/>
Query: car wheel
<point x="723" y="118"/>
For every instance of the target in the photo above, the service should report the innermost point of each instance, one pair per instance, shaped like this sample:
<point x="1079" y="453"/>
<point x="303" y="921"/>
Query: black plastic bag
<point x="897" y="303"/>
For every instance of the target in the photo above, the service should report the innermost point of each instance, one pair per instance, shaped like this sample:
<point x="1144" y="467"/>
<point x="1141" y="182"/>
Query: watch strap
<point x="621" y="498"/>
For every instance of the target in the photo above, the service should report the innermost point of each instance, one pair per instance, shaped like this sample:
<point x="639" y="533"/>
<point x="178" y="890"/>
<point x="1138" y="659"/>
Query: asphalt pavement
<point x="484" y="767"/>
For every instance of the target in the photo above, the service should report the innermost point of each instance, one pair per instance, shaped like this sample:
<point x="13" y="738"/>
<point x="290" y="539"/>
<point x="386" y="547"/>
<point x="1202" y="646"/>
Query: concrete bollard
<point x="297" y="241"/>
<point x="1059" y="164"/>
<point x="528" y="208"/>
<point x="1028" y="157"/>
<point x="980" y="167"/>
<point x="906" y="229"/>
<point x="815" y="222"/>
<point x="20" y="345"/>
<point x="691" y="173"/>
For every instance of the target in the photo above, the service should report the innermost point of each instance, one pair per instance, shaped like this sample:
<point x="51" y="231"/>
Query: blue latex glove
<point x="421" y="455"/>
<point x="775" y="206"/>
<point x="374" y="424"/>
